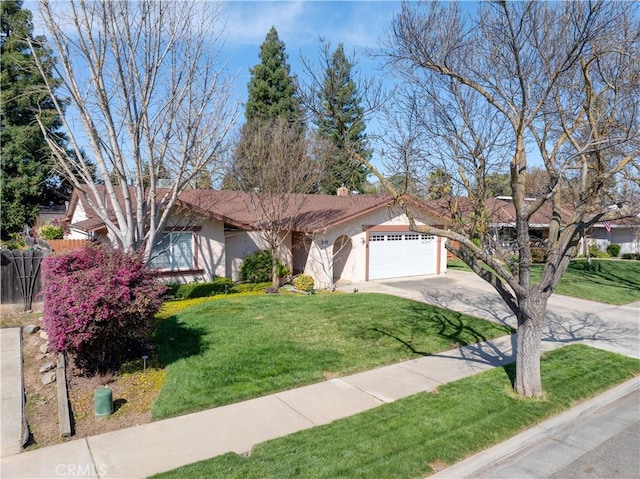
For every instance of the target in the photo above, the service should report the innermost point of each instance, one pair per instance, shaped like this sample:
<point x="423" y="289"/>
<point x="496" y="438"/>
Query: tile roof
<point x="308" y="213"/>
<point x="501" y="209"/>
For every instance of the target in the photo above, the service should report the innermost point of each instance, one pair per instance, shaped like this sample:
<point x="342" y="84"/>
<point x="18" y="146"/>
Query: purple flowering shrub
<point x="99" y="306"/>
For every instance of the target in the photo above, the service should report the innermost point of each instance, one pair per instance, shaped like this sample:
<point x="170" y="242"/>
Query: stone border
<point x="64" y="414"/>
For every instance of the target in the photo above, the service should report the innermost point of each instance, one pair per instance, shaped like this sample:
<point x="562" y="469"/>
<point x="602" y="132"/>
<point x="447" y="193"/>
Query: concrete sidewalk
<point x="164" y="445"/>
<point x="11" y="392"/>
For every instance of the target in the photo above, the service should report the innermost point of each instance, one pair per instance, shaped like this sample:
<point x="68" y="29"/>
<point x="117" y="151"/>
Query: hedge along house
<point x="346" y="238"/>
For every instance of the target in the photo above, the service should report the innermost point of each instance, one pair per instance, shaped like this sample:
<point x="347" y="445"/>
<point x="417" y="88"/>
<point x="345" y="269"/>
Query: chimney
<point x="342" y="191"/>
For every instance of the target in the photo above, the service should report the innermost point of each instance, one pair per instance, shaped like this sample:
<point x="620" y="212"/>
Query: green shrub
<point x="50" y="232"/>
<point x="538" y="255"/>
<point x="613" y="250"/>
<point x="283" y="270"/>
<point x="201" y="290"/>
<point x="15" y="241"/>
<point x="303" y="282"/>
<point x="247" y="287"/>
<point x="596" y="252"/>
<point x="630" y="256"/>
<point x="256" y="267"/>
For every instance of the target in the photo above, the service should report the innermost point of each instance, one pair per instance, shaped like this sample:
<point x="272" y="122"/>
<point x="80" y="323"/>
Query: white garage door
<point x="401" y="254"/>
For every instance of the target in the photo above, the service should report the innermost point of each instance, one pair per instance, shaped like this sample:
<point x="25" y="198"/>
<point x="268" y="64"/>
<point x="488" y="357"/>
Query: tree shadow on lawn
<point x="414" y="326"/>
<point x="605" y="273"/>
<point x="175" y="340"/>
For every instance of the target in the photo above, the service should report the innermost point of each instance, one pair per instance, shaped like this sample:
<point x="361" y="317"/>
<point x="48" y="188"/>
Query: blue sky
<point x="359" y="25"/>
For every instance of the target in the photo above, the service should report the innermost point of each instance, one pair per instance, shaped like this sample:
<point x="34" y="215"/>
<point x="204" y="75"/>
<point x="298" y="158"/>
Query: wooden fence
<point x="62" y="246"/>
<point x="20" y="275"/>
<point x="20" y="269"/>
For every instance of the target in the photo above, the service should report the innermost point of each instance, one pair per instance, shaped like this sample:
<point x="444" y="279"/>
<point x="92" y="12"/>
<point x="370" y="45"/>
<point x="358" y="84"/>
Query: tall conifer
<point x="26" y="178"/>
<point x="340" y="122"/>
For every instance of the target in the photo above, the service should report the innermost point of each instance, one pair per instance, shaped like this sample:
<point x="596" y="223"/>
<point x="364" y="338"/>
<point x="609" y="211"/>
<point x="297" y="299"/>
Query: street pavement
<point x="163" y="445"/>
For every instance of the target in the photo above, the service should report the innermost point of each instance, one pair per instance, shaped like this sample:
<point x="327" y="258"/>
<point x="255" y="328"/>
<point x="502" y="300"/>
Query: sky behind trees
<point x="301" y="25"/>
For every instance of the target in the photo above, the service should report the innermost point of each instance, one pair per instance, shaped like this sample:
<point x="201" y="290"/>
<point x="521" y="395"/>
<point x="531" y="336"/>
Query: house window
<point x="174" y="251"/>
<point x="377" y="238"/>
<point x="411" y="237"/>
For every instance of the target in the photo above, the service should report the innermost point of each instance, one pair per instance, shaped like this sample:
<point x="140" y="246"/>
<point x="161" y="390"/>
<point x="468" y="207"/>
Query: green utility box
<point x="103" y="402"/>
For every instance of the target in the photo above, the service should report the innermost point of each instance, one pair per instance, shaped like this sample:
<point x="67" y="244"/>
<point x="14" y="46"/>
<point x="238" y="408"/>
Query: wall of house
<point x="79" y="214"/>
<point x="321" y="255"/>
<point x="211" y="249"/>
<point x="626" y="237"/>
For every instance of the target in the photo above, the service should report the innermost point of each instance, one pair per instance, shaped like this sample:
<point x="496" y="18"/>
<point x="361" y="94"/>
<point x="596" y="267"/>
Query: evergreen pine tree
<point x="340" y="122"/>
<point x="272" y="90"/>
<point x="26" y="178"/>
<point x="272" y="95"/>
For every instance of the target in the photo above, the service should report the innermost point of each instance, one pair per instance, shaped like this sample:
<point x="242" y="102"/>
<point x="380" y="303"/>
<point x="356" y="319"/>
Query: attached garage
<point x="402" y="253"/>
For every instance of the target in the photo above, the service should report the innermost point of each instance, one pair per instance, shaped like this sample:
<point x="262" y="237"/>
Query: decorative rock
<point x="44" y="335"/>
<point x="32" y="328"/>
<point x="48" y="378"/>
<point x="40" y="357"/>
<point x="46" y="367"/>
<point x="44" y="348"/>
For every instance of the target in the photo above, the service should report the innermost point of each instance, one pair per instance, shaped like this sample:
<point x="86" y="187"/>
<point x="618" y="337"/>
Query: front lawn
<point x="232" y="349"/>
<point x="407" y="438"/>
<point x="606" y="281"/>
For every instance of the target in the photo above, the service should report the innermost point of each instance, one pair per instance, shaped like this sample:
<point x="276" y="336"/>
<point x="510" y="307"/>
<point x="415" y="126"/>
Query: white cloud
<point x="249" y="22"/>
<point x="300" y="23"/>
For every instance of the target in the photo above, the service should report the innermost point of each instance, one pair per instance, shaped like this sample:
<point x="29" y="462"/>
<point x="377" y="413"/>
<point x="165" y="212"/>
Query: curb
<point x="469" y="467"/>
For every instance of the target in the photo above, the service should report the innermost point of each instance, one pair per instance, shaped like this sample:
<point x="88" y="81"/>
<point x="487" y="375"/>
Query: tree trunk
<point x="529" y="337"/>
<point x="274" y="269"/>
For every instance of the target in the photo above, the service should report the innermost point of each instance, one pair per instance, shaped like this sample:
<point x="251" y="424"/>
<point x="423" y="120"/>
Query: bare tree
<point x="516" y="81"/>
<point x="274" y="166"/>
<point x="147" y="94"/>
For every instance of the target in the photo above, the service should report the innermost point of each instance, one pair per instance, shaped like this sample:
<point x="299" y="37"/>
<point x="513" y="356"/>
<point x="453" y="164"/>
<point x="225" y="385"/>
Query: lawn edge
<point x="537" y="432"/>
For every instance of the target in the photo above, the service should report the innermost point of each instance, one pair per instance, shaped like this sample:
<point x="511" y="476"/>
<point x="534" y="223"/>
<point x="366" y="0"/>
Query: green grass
<point x="231" y="349"/>
<point x="606" y="281"/>
<point x="458" y="265"/>
<point x="402" y="439"/>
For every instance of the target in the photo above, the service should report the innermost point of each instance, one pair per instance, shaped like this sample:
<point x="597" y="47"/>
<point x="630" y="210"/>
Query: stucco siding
<point x="322" y="262"/>
<point x="626" y="237"/>
<point x="211" y="249"/>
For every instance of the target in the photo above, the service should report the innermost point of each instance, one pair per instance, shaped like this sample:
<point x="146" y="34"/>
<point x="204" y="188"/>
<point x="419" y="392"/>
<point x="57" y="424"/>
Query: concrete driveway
<point x="614" y="328"/>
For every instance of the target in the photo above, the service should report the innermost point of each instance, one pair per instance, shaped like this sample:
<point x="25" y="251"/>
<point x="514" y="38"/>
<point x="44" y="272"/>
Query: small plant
<point x="49" y="231"/>
<point x="303" y="282"/>
<point x="538" y="255"/>
<point x="271" y="290"/>
<point x="596" y="252"/>
<point x="15" y="241"/>
<point x="613" y="250"/>
<point x="283" y="270"/>
<point x="256" y="267"/>
<point x="631" y="256"/>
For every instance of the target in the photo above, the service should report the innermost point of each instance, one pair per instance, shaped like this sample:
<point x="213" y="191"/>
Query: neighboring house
<point x="343" y="237"/>
<point x="625" y="232"/>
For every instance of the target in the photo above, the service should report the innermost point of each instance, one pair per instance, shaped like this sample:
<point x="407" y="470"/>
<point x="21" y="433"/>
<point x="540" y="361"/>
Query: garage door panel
<point x="401" y="254"/>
